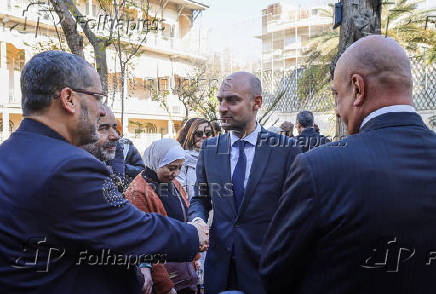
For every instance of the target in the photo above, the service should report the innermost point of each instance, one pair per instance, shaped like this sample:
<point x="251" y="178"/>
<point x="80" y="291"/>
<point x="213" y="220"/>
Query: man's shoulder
<point x="277" y="141"/>
<point x="335" y="149"/>
<point x="50" y="152"/>
<point x="212" y="143"/>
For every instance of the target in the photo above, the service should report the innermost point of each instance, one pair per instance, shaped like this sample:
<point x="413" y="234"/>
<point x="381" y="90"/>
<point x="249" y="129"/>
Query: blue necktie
<point x="239" y="173"/>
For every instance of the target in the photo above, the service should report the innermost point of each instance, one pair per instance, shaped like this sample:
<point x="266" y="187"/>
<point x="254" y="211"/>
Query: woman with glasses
<point x="199" y="131"/>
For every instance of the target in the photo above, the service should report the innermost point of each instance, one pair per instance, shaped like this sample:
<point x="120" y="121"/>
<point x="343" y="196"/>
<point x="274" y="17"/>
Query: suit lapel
<point x="261" y="156"/>
<point x="222" y="164"/>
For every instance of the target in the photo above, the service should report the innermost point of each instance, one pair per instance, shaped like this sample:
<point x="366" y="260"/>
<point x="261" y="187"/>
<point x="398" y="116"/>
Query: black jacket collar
<point x="309" y="131"/>
<point x="33" y="126"/>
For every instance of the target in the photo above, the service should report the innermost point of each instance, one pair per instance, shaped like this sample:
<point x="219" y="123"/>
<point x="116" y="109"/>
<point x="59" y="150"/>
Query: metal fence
<point x="424" y="90"/>
<point x="424" y="84"/>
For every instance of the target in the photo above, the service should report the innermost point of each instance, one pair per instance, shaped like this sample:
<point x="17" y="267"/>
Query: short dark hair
<point x="305" y="118"/>
<point x="49" y="72"/>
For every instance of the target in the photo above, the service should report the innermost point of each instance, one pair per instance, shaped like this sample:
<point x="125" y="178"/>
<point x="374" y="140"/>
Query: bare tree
<point x="197" y="91"/>
<point x="128" y="45"/>
<point x="69" y="26"/>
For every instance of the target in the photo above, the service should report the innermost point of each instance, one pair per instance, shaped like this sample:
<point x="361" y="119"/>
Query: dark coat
<point x="309" y="139"/>
<point x="244" y="231"/>
<point x="58" y="204"/>
<point x="133" y="162"/>
<point x="358" y="215"/>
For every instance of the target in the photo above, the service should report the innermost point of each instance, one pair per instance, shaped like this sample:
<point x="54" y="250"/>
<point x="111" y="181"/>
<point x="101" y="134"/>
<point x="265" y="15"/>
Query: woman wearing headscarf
<point x="156" y="189"/>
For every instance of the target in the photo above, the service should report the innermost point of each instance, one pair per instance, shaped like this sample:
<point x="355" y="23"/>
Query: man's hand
<point x="148" y="283"/>
<point x="203" y="233"/>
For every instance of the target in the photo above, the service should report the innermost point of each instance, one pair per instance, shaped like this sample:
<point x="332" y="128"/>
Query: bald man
<point x="360" y="216"/>
<point x="242" y="174"/>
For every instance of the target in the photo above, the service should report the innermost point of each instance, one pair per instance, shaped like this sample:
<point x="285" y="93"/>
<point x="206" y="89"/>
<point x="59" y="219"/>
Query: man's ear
<point x="358" y="86"/>
<point x="257" y="102"/>
<point x="68" y="101"/>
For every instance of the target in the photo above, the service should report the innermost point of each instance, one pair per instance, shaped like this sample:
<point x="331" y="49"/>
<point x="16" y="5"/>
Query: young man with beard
<point x="242" y="174"/>
<point x="59" y="210"/>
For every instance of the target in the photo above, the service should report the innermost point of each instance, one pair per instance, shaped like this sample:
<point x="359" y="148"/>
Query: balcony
<point x="38" y="15"/>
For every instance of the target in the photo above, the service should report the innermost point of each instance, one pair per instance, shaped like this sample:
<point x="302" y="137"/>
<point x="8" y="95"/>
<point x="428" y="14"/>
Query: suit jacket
<point x="309" y="139"/>
<point x="58" y="212"/>
<point x="243" y="232"/>
<point x="359" y="215"/>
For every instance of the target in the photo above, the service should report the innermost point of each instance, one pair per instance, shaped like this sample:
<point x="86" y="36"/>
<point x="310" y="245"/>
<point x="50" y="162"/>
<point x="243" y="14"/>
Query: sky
<point x="234" y="23"/>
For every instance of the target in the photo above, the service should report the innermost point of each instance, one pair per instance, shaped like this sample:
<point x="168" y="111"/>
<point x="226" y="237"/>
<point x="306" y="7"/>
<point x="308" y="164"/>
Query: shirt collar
<point x="383" y="110"/>
<point x="251" y="138"/>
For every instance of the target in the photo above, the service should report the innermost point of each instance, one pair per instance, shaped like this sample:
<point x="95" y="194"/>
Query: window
<point x="176" y="109"/>
<point x="164" y="83"/>
<point x="15" y="58"/>
<point x="11" y="126"/>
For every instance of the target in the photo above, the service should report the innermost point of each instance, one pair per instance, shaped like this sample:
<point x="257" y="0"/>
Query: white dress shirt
<point x="383" y="110"/>
<point x="248" y="150"/>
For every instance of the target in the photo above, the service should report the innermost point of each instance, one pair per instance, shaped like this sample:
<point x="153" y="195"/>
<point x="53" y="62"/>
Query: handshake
<point x="203" y="233"/>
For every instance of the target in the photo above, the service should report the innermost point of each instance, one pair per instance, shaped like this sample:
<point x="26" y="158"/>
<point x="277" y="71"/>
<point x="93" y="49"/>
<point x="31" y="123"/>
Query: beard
<point x="87" y="130"/>
<point x="107" y="154"/>
<point x="94" y="149"/>
<point x="101" y="152"/>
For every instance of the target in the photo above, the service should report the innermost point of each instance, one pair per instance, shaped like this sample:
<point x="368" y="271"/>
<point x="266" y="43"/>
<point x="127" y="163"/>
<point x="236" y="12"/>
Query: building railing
<point x="144" y="140"/>
<point x="156" y="40"/>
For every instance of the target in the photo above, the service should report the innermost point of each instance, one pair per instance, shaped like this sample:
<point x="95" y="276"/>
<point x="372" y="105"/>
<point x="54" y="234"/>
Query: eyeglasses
<point x="98" y="96"/>
<point x="205" y="133"/>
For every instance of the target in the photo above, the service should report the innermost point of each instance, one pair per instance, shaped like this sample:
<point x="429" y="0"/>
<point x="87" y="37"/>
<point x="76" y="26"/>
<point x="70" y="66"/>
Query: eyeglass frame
<point x="98" y="96"/>
<point x="203" y="133"/>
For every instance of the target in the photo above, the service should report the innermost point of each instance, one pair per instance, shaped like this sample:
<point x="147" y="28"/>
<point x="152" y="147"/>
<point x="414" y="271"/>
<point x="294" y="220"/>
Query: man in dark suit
<point x="359" y="216"/>
<point x="64" y="227"/>
<point x="308" y="137"/>
<point x="240" y="174"/>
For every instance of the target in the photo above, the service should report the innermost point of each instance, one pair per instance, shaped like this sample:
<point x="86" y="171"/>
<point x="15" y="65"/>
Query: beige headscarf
<point x="162" y="152"/>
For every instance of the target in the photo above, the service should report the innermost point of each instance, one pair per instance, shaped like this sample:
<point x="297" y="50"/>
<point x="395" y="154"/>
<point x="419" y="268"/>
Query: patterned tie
<point x="239" y="173"/>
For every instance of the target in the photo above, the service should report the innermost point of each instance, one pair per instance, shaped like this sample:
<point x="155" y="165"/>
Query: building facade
<point x="286" y="31"/>
<point x="168" y="52"/>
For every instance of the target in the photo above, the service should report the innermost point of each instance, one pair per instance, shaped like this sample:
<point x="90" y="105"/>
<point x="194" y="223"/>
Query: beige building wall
<point x="166" y="54"/>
